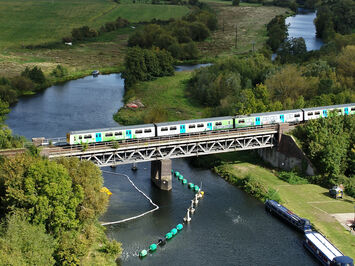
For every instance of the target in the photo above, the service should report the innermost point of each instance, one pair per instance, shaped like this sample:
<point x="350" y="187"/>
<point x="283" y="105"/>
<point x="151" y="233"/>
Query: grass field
<point x="250" y="20"/>
<point x="309" y="201"/>
<point x="24" y="22"/>
<point x="168" y="93"/>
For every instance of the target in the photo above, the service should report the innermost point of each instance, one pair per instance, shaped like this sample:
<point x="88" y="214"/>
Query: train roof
<point x="272" y="113"/>
<point x="323" y="245"/>
<point x="110" y="129"/>
<point x="329" y="107"/>
<point x="194" y="121"/>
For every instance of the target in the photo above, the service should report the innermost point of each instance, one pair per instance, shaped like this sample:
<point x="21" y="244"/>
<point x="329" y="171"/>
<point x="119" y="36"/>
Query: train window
<point x="339" y="110"/>
<point x="172" y="128"/>
<point x="164" y="129"/>
<point x="241" y="121"/>
<point x="80" y="137"/>
<point x="297" y="115"/>
<point x="317" y="113"/>
<point x="118" y="133"/>
<point x="353" y="109"/>
<point x="218" y="123"/>
<point x="310" y="113"/>
<point x="147" y="130"/>
<point x="191" y="126"/>
<point x="138" y="131"/>
<point x="200" y="125"/>
<point x="109" y="134"/>
<point x="87" y="137"/>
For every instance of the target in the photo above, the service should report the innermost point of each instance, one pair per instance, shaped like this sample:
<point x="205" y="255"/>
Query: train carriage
<point x="110" y="134"/>
<point x="323" y="111"/>
<point x="194" y="126"/>
<point x="258" y="119"/>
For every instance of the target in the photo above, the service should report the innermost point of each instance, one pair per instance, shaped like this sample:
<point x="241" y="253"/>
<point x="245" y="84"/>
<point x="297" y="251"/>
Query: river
<point x="301" y="25"/>
<point x="229" y="226"/>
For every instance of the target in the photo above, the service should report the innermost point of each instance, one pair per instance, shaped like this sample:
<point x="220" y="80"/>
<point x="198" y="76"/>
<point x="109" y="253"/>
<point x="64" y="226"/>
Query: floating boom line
<point x="140" y="191"/>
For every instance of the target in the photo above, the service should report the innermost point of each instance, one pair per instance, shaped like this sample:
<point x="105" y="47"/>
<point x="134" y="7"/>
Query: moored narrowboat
<point x="325" y="252"/>
<point x="285" y="214"/>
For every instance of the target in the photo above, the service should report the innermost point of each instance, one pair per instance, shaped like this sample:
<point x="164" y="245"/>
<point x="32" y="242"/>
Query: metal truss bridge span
<point x="161" y="148"/>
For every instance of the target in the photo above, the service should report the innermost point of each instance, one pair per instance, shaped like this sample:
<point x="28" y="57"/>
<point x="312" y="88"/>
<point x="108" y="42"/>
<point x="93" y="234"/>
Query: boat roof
<point x="329" y="107"/>
<point x="194" y="121"/>
<point x="284" y="209"/>
<point x="110" y="129"/>
<point x="323" y="245"/>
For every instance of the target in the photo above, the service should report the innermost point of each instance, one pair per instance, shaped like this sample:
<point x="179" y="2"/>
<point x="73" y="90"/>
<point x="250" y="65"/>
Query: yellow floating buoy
<point x="106" y="190"/>
<point x="201" y="192"/>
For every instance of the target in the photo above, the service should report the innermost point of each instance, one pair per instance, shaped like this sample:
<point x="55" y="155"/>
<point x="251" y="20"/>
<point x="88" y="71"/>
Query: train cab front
<point x="343" y="261"/>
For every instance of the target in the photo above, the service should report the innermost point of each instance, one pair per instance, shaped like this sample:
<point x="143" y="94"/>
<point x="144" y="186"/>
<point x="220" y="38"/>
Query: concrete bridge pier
<point x="161" y="174"/>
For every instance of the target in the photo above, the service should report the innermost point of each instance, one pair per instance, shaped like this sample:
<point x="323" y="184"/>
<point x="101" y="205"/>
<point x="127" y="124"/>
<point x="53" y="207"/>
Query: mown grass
<point x="24" y="22"/>
<point x="168" y="93"/>
<point x="308" y="200"/>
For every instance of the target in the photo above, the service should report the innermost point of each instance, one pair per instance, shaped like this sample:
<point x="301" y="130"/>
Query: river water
<point x="301" y="25"/>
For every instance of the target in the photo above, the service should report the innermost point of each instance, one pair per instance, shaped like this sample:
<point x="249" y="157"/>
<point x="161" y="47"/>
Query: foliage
<point x="23" y="243"/>
<point x="83" y="33"/>
<point x="335" y="16"/>
<point x="235" y="2"/>
<point x="86" y="175"/>
<point x="35" y="74"/>
<point x="59" y="72"/>
<point x="144" y="64"/>
<point x="41" y="189"/>
<point x="7" y="140"/>
<point x="292" y="50"/>
<point x="277" y="32"/>
<point x="329" y="143"/>
<point x="292" y="178"/>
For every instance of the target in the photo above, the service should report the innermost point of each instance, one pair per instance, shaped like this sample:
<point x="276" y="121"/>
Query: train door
<point x="128" y="134"/>
<point x="282" y="118"/>
<point x="346" y="110"/>
<point x="182" y="129"/>
<point x="209" y="126"/>
<point x="98" y="137"/>
<point x="257" y="121"/>
<point x="325" y="113"/>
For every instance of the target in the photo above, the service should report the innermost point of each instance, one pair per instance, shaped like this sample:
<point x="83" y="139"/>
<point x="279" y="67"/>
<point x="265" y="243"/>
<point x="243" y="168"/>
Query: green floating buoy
<point x="153" y="247"/>
<point x="168" y="235"/>
<point x="181" y="177"/>
<point x="197" y="188"/>
<point x="179" y="227"/>
<point x="184" y="181"/>
<point x="177" y="173"/>
<point x="191" y="185"/>
<point x="174" y="231"/>
<point x="172" y="171"/>
<point x="143" y="253"/>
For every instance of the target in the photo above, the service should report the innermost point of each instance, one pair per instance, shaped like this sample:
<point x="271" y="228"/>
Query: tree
<point x="292" y="50"/>
<point x="35" y="74"/>
<point x="345" y="65"/>
<point x="43" y="190"/>
<point x="235" y="2"/>
<point x="25" y="244"/>
<point x="59" y="71"/>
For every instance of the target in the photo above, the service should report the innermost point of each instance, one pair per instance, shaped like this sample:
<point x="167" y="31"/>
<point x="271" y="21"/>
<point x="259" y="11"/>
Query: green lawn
<point x="25" y="22"/>
<point x="168" y="93"/>
<point x="309" y="201"/>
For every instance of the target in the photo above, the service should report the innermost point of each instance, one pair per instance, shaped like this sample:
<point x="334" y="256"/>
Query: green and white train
<point x="175" y="128"/>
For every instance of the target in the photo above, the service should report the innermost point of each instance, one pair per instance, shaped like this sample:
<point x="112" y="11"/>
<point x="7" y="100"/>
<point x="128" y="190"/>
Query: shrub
<point x="292" y="178"/>
<point x="59" y="72"/>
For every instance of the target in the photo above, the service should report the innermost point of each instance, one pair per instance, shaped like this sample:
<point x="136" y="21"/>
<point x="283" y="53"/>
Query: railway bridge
<point x="161" y="150"/>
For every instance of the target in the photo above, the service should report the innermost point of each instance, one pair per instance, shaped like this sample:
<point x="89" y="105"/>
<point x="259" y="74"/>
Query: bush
<point x="35" y="74"/>
<point x="59" y="72"/>
<point x="292" y="178"/>
<point x="22" y="84"/>
<point x="235" y="2"/>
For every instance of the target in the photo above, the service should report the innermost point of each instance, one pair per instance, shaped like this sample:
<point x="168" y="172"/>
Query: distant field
<point x="25" y="22"/>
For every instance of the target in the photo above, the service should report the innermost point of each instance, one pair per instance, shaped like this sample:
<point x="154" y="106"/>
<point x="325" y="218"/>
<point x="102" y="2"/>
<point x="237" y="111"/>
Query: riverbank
<point x="307" y="200"/>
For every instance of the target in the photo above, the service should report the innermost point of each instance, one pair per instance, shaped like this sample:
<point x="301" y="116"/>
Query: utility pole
<point x="223" y="21"/>
<point x="236" y="36"/>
